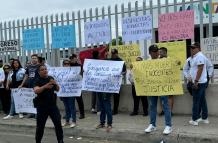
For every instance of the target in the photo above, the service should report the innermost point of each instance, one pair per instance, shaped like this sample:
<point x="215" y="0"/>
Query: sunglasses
<point x="6" y="68"/>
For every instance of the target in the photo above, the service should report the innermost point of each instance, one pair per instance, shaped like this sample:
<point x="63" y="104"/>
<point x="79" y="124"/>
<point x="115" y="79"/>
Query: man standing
<point x="198" y="74"/>
<point x="74" y="63"/>
<point x="115" y="57"/>
<point x="153" y="51"/>
<point x="163" y="54"/>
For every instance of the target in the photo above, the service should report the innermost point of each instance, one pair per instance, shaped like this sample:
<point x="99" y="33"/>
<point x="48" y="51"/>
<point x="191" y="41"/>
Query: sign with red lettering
<point x="176" y="26"/>
<point x="9" y="46"/>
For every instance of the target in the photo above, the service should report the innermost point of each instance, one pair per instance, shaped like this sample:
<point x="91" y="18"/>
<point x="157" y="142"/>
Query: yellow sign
<point x="128" y="53"/>
<point x="157" y="77"/>
<point x="176" y="50"/>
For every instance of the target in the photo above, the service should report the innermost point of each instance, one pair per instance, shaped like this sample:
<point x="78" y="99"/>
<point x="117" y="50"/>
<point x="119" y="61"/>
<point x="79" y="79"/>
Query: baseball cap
<point x="153" y="48"/>
<point x="195" y="45"/>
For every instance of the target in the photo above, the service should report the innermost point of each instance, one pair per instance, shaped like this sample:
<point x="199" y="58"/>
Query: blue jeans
<point x="70" y="109"/>
<point x="153" y="110"/>
<point x="105" y="108"/>
<point x="12" y="109"/>
<point x="199" y="102"/>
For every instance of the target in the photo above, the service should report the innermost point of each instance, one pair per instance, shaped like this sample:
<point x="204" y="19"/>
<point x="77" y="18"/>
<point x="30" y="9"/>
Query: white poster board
<point x="209" y="47"/>
<point x="69" y="80"/>
<point x="23" y="100"/>
<point x="102" y="75"/>
<point x="97" y="31"/>
<point x="137" y="28"/>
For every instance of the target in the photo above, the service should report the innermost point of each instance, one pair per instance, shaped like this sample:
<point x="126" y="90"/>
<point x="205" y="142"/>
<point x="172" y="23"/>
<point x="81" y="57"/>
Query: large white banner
<point x="137" y="28"/>
<point x="97" y="31"/>
<point x="209" y="47"/>
<point x="102" y="75"/>
<point x="23" y="100"/>
<point x="69" y="80"/>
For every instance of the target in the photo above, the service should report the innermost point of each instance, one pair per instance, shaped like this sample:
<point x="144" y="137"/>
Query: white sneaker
<point x="72" y="125"/>
<point x="150" y="128"/>
<point x="21" y="116"/>
<point x="167" y="130"/>
<point x="8" y="117"/>
<point x="205" y="121"/>
<point x="194" y="123"/>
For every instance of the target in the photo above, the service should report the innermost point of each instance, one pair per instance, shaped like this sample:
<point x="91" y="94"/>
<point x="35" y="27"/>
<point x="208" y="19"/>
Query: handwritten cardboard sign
<point x="176" y="26"/>
<point x="33" y="39"/>
<point x="175" y="50"/>
<point x="137" y="28"/>
<point x="102" y="75"/>
<point x="209" y="47"/>
<point x="97" y="31"/>
<point x="69" y="80"/>
<point x="128" y="53"/>
<point x="158" y="77"/>
<point x="23" y="100"/>
<point x="63" y="36"/>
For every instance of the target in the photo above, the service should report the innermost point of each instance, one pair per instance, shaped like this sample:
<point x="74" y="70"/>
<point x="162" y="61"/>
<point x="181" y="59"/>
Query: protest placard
<point x="33" y="39"/>
<point x="97" y="31"/>
<point x="209" y="47"/>
<point x="9" y="46"/>
<point x="176" y="26"/>
<point x="137" y="28"/>
<point x="64" y="36"/>
<point x="128" y="53"/>
<point x="159" y="77"/>
<point x="23" y="100"/>
<point x="175" y="50"/>
<point x="102" y="75"/>
<point x="2" y="74"/>
<point x="69" y="80"/>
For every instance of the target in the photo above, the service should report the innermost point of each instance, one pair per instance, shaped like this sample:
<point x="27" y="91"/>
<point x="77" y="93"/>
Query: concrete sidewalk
<point x="127" y="128"/>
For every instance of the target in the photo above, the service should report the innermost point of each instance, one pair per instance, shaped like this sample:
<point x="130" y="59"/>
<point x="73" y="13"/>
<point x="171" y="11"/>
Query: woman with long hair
<point x="14" y="81"/>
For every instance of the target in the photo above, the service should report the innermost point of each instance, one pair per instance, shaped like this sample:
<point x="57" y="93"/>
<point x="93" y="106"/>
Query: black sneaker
<point x="81" y="116"/>
<point x="133" y="114"/>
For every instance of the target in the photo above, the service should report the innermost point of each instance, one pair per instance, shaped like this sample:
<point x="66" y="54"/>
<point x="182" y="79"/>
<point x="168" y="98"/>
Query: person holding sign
<point x="115" y="57"/>
<point x="74" y="63"/>
<point x="5" y="93"/>
<point x="153" y="51"/>
<point x="198" y="75"/>
<point x="69" y="104"/>
<point x="16" y="77"/>
<point x="163" y="54"/>
<point x="136" y="98"/>
<point x="45" y="103"/>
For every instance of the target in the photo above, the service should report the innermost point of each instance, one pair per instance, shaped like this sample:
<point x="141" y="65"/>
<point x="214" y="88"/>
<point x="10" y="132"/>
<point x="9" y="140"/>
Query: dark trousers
<point x="80" y="105"/>
<point x="95" y="100"/>
<point x="199" y="102"/>
<point x="42" y="116"/>
<point x="5" y="96"/>
<point x="136" y="100"/>
<point x="105" y="108"/>
<point x="116" y="102"/>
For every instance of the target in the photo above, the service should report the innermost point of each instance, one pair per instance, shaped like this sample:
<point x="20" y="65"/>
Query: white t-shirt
<point x="198" y="59"/>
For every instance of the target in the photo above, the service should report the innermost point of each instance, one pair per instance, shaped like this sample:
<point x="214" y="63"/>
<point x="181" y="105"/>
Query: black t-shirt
<point x="48" y="96"/>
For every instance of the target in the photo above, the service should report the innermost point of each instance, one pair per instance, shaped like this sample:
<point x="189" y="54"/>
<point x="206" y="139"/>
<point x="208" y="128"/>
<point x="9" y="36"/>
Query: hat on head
<point x="195" y="45"/>
<point x="153" y="48"/>
<point x="114" y="51"/>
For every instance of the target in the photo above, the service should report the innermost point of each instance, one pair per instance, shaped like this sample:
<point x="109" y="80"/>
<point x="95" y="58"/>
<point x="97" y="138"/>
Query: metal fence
<point x="13" y="29"/>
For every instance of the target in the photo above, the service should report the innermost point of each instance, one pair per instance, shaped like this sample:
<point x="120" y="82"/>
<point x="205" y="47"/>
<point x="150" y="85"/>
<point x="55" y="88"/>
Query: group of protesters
<point x="197" y="70"/>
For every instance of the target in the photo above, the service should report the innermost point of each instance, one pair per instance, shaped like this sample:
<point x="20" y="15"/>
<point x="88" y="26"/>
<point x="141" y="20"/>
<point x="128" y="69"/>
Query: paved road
<point x="24" y="138"/>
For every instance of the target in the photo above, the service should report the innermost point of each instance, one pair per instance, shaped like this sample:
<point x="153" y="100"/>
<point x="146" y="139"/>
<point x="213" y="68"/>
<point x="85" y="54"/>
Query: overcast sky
<point x="17" y="9"/>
